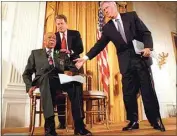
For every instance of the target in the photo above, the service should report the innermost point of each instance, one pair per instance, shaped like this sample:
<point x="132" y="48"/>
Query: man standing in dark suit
<point x="68" y="41"/>
<point x="121" y="30"/>
<point x="46" y="65"/>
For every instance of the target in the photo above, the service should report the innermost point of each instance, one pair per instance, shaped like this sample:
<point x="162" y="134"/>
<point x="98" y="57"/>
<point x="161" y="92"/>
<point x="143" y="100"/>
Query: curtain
<point x="83" y="16"/>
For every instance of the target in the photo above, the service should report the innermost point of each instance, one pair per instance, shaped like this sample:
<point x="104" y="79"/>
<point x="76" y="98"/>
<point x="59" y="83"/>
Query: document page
<point x="66" y="79"/>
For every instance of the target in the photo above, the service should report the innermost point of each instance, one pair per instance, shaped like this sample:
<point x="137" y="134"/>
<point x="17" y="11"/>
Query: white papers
<point x="66" y="79"/>
<point x="138" y="46"/>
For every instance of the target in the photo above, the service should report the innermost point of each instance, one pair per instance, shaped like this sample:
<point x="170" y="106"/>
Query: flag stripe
<point x="103" y="56"/>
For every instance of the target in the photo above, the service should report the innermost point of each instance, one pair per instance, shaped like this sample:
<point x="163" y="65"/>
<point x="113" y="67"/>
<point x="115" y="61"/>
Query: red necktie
<point x="63" y="42"/>
<point x="50" y="57"/>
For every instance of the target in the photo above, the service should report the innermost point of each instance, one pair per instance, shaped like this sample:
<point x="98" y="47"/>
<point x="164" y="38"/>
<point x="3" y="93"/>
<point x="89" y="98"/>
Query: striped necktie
<point x="50" y="57"/>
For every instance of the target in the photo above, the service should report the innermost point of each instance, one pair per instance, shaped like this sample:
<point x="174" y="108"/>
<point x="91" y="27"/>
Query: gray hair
<point x="111" y="2"/>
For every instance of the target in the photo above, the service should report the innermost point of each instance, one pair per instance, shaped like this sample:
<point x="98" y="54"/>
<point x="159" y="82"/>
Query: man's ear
<point x="44" y="43"/>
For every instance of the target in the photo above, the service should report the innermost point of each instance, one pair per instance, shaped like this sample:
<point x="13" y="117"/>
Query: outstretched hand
<point x="79" y="62"/>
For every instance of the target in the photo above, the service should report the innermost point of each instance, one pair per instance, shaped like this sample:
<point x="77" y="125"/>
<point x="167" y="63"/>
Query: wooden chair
<point x="34" y="110"/>
<point x="95" y="99"/>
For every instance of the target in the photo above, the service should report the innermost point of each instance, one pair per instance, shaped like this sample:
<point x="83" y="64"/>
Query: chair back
<point x="89" y="76"/>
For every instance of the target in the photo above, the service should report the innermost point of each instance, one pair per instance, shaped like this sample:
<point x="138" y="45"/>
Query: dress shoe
<point x="51" y="133"/>
<point x="82" y="132"/>
<point x="159" y="126"/>
<point x="131" y="126"/>
<point x="61" y="126"/>
<point x="49" y="127"/>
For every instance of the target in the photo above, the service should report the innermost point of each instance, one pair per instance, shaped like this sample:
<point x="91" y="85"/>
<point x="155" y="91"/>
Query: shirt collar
<point x="61" y="34"/>
<point x="47" y="49"/>
<point x="118" y="17"/>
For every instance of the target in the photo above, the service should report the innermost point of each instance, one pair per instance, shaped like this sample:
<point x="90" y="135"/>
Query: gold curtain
<point x="83" y="16"/>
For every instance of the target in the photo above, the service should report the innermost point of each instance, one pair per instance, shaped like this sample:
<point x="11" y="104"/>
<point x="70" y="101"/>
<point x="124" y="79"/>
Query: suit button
<point x="41" y="68"/>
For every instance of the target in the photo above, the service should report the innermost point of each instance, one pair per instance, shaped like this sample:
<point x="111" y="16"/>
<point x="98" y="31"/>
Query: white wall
<point x="22" y="31"/>
<point x="8" y="16"/>
<point x="161" y="21"/>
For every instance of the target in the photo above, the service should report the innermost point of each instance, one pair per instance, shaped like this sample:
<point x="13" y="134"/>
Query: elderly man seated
<point x="46" y="64"/>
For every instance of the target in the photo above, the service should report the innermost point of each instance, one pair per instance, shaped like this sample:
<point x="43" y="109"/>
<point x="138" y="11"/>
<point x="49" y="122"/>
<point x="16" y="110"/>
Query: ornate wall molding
<point x="162" y="59"/>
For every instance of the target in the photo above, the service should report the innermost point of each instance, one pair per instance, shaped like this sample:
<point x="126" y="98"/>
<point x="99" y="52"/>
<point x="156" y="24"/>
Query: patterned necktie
<point x="120" y="29"/>
<point x="50" y="57"/>
<point x="63" y="42"/>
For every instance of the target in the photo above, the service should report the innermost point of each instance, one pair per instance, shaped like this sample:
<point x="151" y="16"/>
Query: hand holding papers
<point x="138" y="46"/>
<point x="66" y="79"/>
<point x="139" y="49"/>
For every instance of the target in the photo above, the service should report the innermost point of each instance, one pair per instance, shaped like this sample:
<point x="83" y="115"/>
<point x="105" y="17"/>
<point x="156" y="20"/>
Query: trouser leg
<point x="61" y="109"/>
<point x="46" y="97"/>
<point x="149" y="97"/>
<point x="130" y="89"/>
<point x="48" y="92"/>
<point x="75" y="94"/>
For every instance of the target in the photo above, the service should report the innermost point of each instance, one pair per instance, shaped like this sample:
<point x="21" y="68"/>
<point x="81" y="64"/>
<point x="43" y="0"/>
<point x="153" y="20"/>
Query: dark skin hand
<point x="30" y="92"/>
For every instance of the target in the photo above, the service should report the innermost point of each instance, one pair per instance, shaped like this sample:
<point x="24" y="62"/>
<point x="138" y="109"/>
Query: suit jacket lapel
<point x="114" y="30"/>
<point x="125" y="24"/>
<point x="44" y="56"/>
<point x="69" y="39"/>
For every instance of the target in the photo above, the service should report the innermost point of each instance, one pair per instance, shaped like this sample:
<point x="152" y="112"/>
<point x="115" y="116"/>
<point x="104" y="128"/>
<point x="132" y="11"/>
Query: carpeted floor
<point x="115" y="129"/>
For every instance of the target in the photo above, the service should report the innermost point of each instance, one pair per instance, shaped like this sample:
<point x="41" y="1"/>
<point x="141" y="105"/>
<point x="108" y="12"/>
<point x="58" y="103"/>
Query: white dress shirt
<point x="120" y="20"/>
<point x="61" y="35"/>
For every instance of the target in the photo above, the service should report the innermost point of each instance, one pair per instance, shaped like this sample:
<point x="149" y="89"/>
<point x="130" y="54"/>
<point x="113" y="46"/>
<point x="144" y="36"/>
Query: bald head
<point x="49" y="40"/>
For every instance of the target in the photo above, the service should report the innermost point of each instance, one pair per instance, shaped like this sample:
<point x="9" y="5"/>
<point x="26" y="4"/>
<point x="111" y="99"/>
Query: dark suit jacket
<point x="134" y="29"/>
<point x="74" y="42"/>
<point x="37" y="64"/>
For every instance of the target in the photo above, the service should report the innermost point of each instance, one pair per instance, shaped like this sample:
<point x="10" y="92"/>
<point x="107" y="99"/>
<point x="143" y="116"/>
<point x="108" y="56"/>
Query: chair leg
<point x="66" y="113"/>
<point x="91" y="115"/>
<point x="99" y="109"/>
<point x="33" y="115"/>
<point x="106" y="113"/>
<point x="31" y="110"/>
<point x="40" y="112"/>
<point x="92" y="119"/>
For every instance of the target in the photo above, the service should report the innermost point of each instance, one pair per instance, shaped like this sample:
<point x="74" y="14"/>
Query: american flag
<point x="103" y="55"/>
